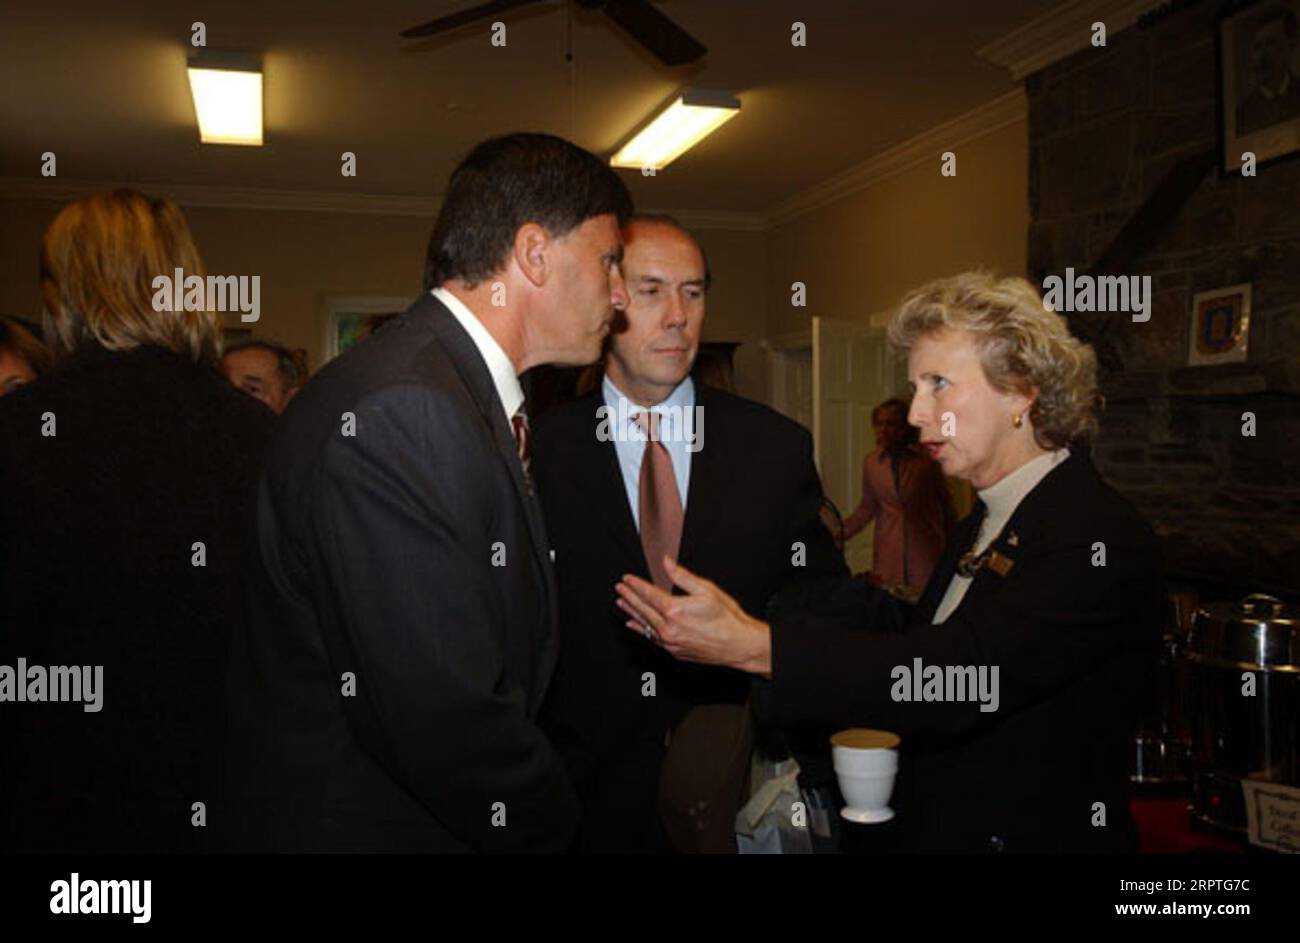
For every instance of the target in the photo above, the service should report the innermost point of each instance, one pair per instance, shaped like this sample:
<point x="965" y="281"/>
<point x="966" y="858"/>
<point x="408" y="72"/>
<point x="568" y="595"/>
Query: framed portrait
<point x="1220" y="326"/>
<point x="1258" y="47"/>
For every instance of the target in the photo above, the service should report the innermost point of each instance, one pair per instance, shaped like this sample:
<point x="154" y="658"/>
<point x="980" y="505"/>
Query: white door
<point x="852" y="371"/>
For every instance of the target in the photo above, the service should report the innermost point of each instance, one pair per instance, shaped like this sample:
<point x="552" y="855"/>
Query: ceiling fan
<point x="663" y="38"/>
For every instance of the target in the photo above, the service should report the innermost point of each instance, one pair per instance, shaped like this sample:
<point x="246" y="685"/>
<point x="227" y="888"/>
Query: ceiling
<point x="103" y="86"/>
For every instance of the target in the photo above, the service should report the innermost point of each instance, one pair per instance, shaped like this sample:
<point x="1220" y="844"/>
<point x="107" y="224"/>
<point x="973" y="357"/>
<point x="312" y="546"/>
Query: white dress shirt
<point x="1001" y="499"/>
<point x="630" y="440"/>
<point x="499" y="366"/>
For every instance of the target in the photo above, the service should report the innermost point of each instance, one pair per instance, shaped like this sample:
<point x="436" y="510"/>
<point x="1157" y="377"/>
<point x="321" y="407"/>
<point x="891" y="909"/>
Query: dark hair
<point x="910" y="433"/>
<point x="506" y="182"/>
<point x="292" y="368"/>
<point x="24" y="344"/>
<point x="893" y="402"/>
<point x="666" y="220"/>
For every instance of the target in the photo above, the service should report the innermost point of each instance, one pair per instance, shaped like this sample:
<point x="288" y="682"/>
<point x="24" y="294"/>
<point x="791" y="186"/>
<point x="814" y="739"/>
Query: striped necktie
<point x="519" y="422"/>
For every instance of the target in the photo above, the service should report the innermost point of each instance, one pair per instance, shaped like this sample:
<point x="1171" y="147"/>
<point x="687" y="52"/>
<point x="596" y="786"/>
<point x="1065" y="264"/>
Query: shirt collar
<point x="682" y="397"/>
<point x="499" y="366"/>
<point x="1002" y="498"/>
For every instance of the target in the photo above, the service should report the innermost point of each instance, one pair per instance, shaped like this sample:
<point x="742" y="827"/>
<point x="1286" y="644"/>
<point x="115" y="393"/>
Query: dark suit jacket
<point x="1076" y="646"/>
<point x="409" y="558"/>
<point x="152" y="454"/>
<point x="753" y="494"/>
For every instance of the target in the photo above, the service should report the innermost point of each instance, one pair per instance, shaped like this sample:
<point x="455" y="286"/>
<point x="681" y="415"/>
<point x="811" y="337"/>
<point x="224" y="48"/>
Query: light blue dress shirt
<point x="676" y="429"/>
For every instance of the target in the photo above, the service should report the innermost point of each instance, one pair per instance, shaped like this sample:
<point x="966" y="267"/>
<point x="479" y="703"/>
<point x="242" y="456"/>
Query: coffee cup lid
<point x="860" y="738"/>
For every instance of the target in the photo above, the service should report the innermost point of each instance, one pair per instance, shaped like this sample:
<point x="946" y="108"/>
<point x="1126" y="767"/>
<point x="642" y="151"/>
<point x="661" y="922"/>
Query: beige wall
<point x="857" y="256"/>
<point x="304" y="256"/>
<point x="736" y="309"/>
<point x="860" y="255"/>
<point x="300" y="256"/>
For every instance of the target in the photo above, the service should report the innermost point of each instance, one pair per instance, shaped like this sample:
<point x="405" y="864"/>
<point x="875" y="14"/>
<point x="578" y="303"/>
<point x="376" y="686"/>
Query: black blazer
<point x="754" y="493"/>
<point x="1076" y="646"/>
<point x="152" y="454"/>
<point x="402" y="615"/>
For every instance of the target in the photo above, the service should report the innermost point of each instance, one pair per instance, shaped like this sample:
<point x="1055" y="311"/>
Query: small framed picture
<point x="347" y="319"/>
<point x="1220" y="326"/>
<point x="1258" y="48"/>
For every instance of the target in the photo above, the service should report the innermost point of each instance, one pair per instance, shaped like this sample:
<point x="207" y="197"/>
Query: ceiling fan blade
<point x="669" y="43"/>
<point x="454" y="20"/>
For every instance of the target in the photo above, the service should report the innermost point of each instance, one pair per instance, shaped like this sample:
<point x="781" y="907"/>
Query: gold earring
<point x="1016" y="420"/>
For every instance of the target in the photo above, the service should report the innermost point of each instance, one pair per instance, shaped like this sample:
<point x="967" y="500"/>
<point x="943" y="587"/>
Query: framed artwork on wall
<point x="347" y="319"/>
<point x="1220" y="326"/>
<point x="1258" y="47"/>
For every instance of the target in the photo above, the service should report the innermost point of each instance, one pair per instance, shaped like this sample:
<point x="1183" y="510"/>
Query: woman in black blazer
<point x="126" y="479"/>
<point x="1051" y="589"/>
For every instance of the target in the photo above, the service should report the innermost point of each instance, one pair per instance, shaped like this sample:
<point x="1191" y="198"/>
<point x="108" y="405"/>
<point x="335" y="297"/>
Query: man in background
<point x="647" y="464"/>
<point x="265" y="371"/>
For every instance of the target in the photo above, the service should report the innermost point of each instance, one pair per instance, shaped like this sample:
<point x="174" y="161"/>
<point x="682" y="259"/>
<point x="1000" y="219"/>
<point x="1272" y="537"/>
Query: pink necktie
<point x="660" y="503"/>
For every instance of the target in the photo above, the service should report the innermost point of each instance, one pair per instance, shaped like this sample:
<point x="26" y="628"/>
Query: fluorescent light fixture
<point x="227" y="91"/>
<point x="689" y="119"/>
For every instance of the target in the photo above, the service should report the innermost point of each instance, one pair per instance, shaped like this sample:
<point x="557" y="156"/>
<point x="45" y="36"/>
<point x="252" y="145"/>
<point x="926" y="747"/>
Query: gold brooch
<point x="999" y="564"/>
<point x="971" y="563"/>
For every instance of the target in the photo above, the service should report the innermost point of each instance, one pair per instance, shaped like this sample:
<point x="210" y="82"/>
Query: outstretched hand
<point x="706" y="625"/>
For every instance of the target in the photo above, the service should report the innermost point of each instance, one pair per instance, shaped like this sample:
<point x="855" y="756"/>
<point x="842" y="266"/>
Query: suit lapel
<point x="474" y="373"/>
<point x="708" y="481"/>
<point x="604" y="476"/>
<point x="959" y="541"/>
<point x="1020" y="534"/>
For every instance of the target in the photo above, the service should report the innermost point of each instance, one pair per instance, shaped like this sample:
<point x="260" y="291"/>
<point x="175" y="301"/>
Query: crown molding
<point x="925" y="147"/>
<point x="249" y="198"/>
<point x="1061" y="32"/>
<point x="243" y="198"/>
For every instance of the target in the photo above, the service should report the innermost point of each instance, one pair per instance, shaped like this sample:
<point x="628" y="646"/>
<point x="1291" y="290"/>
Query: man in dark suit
<point x="403" y="609"/>
<point x="725" y="484"/>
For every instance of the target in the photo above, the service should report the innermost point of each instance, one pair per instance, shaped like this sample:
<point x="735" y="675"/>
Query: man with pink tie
<point x="653" y="463"/>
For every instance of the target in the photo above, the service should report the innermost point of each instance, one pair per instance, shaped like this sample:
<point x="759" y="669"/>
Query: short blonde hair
<point x="98" y="261"/>
<point x="1022" y="346"/>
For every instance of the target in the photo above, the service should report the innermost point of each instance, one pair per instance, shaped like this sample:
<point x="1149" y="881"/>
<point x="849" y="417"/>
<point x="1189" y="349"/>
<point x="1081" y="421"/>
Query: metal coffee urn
<point x="1237" y="736"/>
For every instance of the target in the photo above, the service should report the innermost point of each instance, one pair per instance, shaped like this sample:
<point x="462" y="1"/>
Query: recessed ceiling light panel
<point x="227" y="92"/>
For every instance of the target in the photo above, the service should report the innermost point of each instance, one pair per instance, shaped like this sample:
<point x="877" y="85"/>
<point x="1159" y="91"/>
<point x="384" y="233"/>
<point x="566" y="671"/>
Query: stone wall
<point x="1105" y="126"/>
